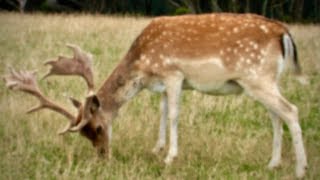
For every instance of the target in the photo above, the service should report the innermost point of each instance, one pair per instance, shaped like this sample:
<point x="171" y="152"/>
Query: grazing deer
<point x="216" y="54"/>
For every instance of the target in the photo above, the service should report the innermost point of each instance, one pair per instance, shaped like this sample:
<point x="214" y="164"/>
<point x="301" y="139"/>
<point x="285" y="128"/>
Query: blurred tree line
<point x="285" y="10"/>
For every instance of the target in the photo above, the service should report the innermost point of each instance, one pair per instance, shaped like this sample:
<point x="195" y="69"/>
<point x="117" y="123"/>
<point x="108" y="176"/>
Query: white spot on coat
<point x="147" y="61"/>
<point x="161" y="56"/>
<point x="235" y="30"/>
<point x="264" y="28"/>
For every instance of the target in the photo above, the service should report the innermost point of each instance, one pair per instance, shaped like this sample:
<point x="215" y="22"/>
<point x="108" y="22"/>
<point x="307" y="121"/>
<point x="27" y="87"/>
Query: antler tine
<point x="77" y="52"/>
<point x="26" y="81"/>
<point x="50" y="62"/>
<point x="80" y="64"/>
<point x="66" y="129"/>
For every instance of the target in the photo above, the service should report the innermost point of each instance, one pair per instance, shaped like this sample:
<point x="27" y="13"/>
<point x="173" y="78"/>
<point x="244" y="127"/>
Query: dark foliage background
<point x="285" y="10"/>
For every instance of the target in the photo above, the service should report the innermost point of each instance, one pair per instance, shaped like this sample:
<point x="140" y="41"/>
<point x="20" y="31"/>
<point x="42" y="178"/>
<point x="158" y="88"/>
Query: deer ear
<point x="94" y="103"/>
<point x="75" y="103"/>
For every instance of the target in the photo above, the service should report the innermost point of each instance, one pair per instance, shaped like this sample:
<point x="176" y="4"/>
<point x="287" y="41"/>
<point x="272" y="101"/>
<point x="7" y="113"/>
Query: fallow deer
<point x="217" y="54"/>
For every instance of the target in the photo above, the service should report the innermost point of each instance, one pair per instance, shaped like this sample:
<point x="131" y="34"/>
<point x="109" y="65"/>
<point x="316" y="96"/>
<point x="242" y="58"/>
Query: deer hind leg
<point x="269" y="95"/>
<point x="277" y="140"/>
<point x="163" y="123"/>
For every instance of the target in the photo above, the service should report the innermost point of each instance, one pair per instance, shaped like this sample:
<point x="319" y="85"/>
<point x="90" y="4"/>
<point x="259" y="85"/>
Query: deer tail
<point x="290" y="54"/>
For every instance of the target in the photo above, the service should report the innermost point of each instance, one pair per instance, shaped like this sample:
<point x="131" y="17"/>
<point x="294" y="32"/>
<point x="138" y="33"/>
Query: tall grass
<point x="219" y="137"/>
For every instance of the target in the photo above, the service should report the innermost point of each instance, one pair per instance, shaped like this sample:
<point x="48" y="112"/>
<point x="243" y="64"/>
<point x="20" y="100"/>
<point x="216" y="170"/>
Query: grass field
<point x="219" y="137"/>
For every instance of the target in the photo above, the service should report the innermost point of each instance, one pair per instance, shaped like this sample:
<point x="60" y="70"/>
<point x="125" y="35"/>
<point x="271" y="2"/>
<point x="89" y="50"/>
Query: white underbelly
<point x="208" y="76"/>
<point x="215" y="88"/>
<point x="204" y="75"/>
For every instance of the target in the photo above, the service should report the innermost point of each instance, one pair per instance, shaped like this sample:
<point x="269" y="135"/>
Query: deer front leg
<point x="163" y="123"/>
<point x="277" y="140"/>
<point x="173" y="88"/>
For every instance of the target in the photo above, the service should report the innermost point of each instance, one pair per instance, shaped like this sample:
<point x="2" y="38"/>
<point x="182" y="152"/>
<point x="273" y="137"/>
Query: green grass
<point x="219" y="137"/>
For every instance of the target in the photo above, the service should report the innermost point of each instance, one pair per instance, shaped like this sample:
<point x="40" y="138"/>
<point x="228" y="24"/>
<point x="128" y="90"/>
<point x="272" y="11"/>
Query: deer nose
<point x="99" y="129"/>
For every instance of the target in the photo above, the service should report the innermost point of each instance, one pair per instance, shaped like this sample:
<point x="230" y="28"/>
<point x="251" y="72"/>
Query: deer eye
<point x="92" y="110"/>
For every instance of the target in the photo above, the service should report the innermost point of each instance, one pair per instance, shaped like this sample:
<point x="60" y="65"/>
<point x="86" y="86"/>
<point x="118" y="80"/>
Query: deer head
<point x="88" y="121"/>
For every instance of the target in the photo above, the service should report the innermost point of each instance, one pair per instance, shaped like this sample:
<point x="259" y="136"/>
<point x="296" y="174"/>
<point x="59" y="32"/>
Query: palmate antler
<point x="80" y="64"/>
<point x="26" y="81"/>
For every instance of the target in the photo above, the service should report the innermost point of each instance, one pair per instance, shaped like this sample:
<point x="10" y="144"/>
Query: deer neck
<point x="123" y="84"/>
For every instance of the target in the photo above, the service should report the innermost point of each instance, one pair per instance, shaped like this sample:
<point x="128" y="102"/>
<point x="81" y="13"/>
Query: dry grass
<point x="220" y="137"/>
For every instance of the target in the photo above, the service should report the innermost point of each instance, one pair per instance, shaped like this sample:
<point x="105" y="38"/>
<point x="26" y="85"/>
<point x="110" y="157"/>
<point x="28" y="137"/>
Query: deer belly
<point x="215" y="88"/>
<point x="208" y="76"/>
